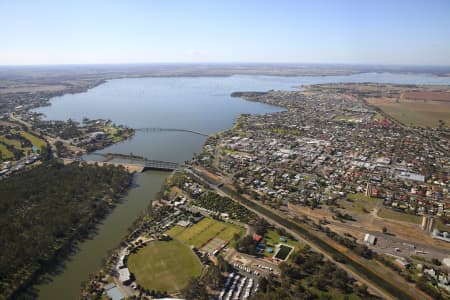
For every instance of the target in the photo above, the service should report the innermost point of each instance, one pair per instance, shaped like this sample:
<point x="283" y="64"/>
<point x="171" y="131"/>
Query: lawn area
<point x="440" y="225"/>
<point x="228" y="151"/>
<point x="346" y="118"/>
<point x="272" y="238"/>
<point x="361" y="196"/>
<point x="399" y="216"/>
<point x="378" y="117"/>
<point x="112" y="133"/>
<point x="335" y="295"/>
<point x="200" y="233"/>
<point x="175" y="231"/>
<point x="361" y="203"/>
<point x="164" y="266"/>
<point x="6" y="154"/>
<point x="15" y="143"/>
<point x="284" y="131"/>
<point x="34" y="139"/>
<point x="111" y="130"/>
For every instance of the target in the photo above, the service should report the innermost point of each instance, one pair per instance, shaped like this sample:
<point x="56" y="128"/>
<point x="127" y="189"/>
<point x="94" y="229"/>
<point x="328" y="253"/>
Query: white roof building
<point x="370" y="239"/>
<point x="124" y="275"/>
<point x="446" y="262"/>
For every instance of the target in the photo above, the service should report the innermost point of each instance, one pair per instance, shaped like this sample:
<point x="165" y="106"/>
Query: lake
<point x="194" y="103"/>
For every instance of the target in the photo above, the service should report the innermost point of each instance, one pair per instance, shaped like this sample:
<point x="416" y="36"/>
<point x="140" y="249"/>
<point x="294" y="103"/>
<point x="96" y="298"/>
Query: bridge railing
<point x="140" y="160"/>
<point x="172" y="129"/>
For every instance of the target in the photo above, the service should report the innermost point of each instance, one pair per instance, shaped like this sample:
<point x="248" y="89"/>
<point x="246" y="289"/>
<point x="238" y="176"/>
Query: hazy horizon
<point x="230" y="64"/>
<point x="405" y="33"/>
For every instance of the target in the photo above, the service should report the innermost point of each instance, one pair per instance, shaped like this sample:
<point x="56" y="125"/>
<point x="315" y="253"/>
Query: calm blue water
<point x="197" y="103"/>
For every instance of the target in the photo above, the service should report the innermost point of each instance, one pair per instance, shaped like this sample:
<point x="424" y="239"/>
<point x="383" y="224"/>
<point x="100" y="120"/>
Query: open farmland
<point x="416" y="105"/>
<point x="164" y="266"/>
<point x="200" y="233"/>
<point x="427" y="96"/>
<point x="417" y="113"/>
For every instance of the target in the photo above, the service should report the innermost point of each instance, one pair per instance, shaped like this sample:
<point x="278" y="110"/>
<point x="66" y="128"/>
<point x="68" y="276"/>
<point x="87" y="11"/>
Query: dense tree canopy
<point x="309" y="276"/>
<point x="43" y="210"/>
<point x="215" y="202"/>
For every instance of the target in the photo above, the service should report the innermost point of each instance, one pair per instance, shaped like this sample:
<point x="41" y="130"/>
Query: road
<point x="372" y="287"/>
<point x="17" y="119"/>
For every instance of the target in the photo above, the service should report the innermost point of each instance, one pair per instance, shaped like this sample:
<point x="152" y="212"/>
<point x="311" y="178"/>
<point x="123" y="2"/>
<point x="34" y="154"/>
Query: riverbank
<point x="47" y="227"/>
<point x="106" y="274"/>
<point x="109" y="233"/>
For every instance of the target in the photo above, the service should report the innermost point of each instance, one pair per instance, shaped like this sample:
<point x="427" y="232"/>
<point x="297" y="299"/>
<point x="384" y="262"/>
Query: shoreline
<point x="97" y="80"/>
<point x="70" y="246"/>
<point x="42" y="288"/>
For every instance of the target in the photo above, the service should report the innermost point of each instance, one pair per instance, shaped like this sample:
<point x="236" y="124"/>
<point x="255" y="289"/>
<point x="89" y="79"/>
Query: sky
<point x="380" y="32"/>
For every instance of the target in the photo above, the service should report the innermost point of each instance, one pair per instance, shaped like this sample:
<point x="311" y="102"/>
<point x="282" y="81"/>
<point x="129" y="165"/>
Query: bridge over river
<point x="133" y="163"/>
<point x="171" y="129"/>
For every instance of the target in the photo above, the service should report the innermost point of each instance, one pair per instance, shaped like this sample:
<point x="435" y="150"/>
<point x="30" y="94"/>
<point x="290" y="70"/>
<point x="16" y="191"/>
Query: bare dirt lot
<point x="369" y="222"/>
<point x="380" y="101"/>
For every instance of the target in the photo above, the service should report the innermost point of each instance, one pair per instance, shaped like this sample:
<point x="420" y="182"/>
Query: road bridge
<point x="129" y="167"/>
<point x="171" y="129"/>
<point x="134" y="163"/>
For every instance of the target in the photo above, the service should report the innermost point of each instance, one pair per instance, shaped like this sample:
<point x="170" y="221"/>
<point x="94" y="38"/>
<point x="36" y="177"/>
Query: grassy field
<point x="399" y="216"/>
<point x="164" y="266"/>
<point x="440" y="225"/>
<point x="284" y="131"/>
<point x="228" y="151"/>
<point x="272" y="238"/>
<point x="34" y="139"/>
<point x="15" y="143"/>
<point x="203" y="231"/>
<point x="346" y="118"/>
<point x="335" y="295"/>
<point x="112" y="133"/>
<point x="361" y="203"/>
<point x="418" y="113"/>
<point x="378" y="117"/>
<point x="6" y="154"/>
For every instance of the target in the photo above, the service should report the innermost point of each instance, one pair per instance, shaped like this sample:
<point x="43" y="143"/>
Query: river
<point x="194" y="103"/>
